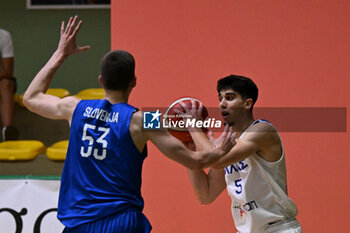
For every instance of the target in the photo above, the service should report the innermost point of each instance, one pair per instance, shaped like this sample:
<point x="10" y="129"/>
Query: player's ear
<point x="133" y="82"/>
<point x="248" y="103"/>
<point x="100" y="80"/>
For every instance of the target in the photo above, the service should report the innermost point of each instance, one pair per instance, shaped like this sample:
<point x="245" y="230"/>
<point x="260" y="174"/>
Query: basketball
<point x="174" y="121"/>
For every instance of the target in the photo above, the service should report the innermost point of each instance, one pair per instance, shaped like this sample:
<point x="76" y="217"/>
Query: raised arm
<point x="35" y="98"/>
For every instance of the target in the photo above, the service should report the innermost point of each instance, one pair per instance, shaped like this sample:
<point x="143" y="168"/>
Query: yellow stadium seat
<point x="58" y="150"/>
<point x="59" y="92"/>
<point x="21" y="149"/>
<point x="91" y="93"/>
<point x="16" y="97"/>
<point x="20" y="100"/>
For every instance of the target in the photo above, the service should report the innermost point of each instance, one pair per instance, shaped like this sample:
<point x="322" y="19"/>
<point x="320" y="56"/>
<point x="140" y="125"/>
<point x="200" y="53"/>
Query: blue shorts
<point x="126" y="222"/>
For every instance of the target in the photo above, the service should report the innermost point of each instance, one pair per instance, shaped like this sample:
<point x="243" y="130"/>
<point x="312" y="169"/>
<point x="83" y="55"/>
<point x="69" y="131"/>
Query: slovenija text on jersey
<point x="101" y="114"/>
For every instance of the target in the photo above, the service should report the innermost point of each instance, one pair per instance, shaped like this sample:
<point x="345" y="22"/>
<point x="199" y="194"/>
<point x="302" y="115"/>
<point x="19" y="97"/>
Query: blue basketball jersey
<point x="102" y="171"/>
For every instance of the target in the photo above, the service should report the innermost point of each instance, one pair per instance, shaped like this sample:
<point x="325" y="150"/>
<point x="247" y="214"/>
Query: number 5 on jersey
<point x="100" y="140"/>
<point x="239" y="186"/>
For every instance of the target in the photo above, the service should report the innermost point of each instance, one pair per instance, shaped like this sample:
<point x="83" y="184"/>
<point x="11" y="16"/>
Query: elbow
<point x="26" y="100"/>
<point x="205" y="160"/>
<point x="205" y="201"/>
<point x="201" y="160"/>
<point x="195" y="161"/>
<point x="197" y="164"/>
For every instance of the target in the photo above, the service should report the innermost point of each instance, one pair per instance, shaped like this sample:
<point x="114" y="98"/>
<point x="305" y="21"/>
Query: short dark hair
<point x="117" y="70"/>
<point x="243" y="85"/>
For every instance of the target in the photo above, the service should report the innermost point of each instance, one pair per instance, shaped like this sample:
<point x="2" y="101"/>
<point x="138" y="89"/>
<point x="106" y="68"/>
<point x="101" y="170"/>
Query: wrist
<point x="59" y="56"/>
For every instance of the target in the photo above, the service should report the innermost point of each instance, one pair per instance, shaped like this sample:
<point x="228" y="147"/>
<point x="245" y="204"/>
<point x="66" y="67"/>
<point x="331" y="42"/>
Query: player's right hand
<point x="225" y="141"/>
<point x="192" y="112"/>
<point x="67" y="45"/>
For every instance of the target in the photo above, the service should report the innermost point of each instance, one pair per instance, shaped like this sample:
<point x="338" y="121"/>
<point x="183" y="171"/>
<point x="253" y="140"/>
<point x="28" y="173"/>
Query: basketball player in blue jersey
<point x="254" y="171"/>
<point x="101" y="180"/>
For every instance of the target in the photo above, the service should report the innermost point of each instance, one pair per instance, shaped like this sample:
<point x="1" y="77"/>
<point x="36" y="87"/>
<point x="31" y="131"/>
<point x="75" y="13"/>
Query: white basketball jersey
<point x="258" y="190"/>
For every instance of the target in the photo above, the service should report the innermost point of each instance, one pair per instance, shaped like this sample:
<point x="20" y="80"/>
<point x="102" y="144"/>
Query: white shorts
<point x="286" y="226"/>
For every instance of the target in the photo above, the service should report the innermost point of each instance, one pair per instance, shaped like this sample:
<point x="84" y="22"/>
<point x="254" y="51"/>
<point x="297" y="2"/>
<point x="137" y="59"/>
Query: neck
<point x="242" y="124"/>
<point x="115" y="97"/>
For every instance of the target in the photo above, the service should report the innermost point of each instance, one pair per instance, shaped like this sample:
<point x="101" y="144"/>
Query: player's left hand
<point x="226" y="135"/>
<point x="67" y="45"/>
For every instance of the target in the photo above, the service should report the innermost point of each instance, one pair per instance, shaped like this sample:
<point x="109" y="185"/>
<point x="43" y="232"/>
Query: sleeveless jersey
<point x="102" y="171"/>
<point x="258" y="190"/>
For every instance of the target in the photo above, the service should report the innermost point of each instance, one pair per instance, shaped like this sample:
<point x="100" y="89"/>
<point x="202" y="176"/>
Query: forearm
<point x="206" y="158"/>
<point x="200" y="185"/>
<point x="176" y="150"/>
<point x="192" y="159"/>
<point x="198" y="177"/>
<point x="200" y="139"/>
<point x="43" y="79"/>
<point x="197" y="159"/>
<point x="207" y="187"/>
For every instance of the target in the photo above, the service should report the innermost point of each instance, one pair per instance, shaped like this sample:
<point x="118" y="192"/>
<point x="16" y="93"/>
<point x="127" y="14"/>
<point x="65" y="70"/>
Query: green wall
<point x="35" y="35"/>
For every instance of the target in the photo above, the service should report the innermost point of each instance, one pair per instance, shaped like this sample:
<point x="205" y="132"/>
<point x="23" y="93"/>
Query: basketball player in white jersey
<point x="254" y="171"/>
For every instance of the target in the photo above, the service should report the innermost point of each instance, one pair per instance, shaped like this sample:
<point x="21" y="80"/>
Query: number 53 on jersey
<point x="100" y="155"/>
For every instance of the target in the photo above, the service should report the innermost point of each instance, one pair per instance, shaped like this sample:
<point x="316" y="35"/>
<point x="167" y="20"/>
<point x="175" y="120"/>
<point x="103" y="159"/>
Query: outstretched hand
<point x="67" y="44"/>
